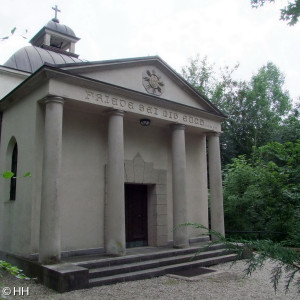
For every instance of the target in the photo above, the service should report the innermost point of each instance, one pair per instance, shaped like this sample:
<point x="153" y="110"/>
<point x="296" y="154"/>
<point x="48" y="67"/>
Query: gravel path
<point x="228" y="284"/>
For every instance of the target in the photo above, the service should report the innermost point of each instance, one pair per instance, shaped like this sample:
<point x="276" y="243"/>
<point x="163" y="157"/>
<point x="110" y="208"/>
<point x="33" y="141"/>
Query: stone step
<point x="153" y="263"/>
<point x="159" y="271"/>
<point x="114" y="261"/>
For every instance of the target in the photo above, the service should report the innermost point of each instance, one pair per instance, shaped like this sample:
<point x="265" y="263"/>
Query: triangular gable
<point x="149" y="75"/>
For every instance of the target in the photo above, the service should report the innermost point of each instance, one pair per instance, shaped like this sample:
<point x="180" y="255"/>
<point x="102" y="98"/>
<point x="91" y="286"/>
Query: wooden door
<point x="136" y="217"/>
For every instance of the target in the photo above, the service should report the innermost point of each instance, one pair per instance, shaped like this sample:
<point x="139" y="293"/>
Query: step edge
<point x="142" y="257"/>
<point x="165" y="268"/>
<point x="136" y="263"/>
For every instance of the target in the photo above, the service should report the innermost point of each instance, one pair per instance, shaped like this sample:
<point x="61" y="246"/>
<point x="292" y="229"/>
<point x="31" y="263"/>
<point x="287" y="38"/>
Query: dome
<point x="63" y="29"/>
<point x="31" y="58"/>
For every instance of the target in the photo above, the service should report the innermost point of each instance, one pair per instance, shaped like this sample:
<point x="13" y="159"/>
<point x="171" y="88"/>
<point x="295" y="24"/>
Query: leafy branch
<point x="9" y="175"/>
<point x="13" y="270"/>
<point x="6" y="267"/>
<point x="290" y="13"/>
<point x="286" y="260"/>
<point x="12" y="33"/>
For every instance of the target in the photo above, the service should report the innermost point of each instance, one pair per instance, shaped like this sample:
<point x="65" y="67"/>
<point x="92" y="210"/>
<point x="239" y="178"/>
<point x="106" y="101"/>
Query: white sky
<point x="227" y="31"/>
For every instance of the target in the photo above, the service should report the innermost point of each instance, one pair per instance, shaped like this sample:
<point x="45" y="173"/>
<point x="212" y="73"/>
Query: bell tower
<point x="56" y="37"/>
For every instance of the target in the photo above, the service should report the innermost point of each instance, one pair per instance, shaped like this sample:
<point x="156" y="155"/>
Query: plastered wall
<point x="84" y="156"/>
<point x="131" y="77"/>
<point x="83" y="188"/>
<point x="9" y="80"/>
<point x="19" y="124"/>
<point x="196" y="181"/>
<point x="83" y="180"/>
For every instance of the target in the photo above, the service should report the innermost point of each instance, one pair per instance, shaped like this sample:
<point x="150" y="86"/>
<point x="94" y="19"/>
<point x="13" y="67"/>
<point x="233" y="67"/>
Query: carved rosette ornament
<point x="152" y="83"/>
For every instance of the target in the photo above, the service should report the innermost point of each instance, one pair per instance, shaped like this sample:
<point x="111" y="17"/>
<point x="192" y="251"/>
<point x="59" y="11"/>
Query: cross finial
<point x="56" y="11"/>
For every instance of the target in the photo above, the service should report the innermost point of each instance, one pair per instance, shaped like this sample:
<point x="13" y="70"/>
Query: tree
<point x="222" y="90"/>
<point x="262" y="193"/>
<point x="255" y="109"/>
<point x="201" y="75"/>
<point x="289" y="131"/>
<point x="270" y="103"/>
<point x="289" y="13"/>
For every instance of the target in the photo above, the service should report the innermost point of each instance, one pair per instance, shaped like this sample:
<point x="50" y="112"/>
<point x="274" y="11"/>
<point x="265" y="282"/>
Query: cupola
<point x="56" y="37"/>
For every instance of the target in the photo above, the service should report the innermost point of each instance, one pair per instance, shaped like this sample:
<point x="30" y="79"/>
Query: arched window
<point x="14" y="166"/>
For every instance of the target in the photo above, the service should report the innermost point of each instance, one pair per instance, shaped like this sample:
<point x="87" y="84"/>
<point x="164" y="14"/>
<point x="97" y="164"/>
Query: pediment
<point x="148" y="75"/>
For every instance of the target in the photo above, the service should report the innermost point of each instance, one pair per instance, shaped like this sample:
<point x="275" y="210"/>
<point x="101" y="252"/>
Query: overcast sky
<point x="227" y="31"/>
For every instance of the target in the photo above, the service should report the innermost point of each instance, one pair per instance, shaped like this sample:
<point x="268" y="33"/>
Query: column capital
<point x="177" y="126"/>
<point x="53" y="99"/>
<point x="213" y="134"/>
<point x="116" y="112"/>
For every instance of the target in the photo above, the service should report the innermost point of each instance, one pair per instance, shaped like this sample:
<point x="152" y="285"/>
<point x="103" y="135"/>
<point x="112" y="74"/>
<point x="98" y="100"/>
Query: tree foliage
<point x="262" y="193"/>
<point x="289" y="131"/>
<point x="289" y="13"/>
<point x="201" y="75"/>
<point x="255" y="108"/>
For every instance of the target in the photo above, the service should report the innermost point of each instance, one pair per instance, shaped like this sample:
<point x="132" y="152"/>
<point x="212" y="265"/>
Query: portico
<point x="119" y="115"/>
<point x="100" y="180"/>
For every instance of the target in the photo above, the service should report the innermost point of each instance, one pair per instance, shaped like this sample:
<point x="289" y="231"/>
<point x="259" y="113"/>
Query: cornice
<point x="47" y="72"/>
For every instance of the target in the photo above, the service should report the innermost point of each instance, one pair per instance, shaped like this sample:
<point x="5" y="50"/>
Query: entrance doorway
<point x="136" y="215"/>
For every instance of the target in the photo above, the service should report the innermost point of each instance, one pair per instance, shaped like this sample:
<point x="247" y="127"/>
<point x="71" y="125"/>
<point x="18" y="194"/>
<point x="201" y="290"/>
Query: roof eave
<point x="43" y="31"/>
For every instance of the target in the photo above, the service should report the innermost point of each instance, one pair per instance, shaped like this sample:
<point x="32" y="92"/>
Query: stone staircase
<point x="155" y="263"/>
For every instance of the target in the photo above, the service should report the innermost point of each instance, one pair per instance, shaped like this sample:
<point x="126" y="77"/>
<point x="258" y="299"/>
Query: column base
<point x="115" y="248"/>
<point x="181" y="246"/>
<point x="49" y="260"/>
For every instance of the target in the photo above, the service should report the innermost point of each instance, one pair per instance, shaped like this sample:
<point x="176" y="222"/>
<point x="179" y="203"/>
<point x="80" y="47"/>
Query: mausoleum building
<point x="119" y="153"/>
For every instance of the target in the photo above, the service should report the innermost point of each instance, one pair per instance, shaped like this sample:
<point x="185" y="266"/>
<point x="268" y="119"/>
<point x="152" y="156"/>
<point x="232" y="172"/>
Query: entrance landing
<point x="135" y="251"/>
<point x="139" y="263"/>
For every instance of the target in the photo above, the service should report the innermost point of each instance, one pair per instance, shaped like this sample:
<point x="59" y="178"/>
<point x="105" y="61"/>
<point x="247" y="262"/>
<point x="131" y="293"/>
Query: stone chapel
<point x="119" y="153"/>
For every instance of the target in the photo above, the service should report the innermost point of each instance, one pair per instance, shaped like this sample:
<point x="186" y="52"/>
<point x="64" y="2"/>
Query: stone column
<point x="50" y="236"/>
<point x="203" y="184"/>
<point x="115" y="242"/>
<point x="215" y="184"/>
<point x="180" y="235"/>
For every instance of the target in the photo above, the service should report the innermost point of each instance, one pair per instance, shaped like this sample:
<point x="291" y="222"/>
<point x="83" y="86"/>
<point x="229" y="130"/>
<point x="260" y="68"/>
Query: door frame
<point x="137" y="171"/>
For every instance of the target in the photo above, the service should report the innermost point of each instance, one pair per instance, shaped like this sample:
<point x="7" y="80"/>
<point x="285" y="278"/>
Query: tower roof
<point x="54" y="44"/>
<point x="60" y="35"/>
<point x="30" y="58"/>
<point x="60" y="28"/>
